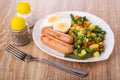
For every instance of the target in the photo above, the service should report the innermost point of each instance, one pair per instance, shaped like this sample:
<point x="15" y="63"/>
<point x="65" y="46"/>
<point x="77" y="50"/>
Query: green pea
<point x="79" y="41"/>
<point x="89" y="35"/>
<point x="80" y="22"/>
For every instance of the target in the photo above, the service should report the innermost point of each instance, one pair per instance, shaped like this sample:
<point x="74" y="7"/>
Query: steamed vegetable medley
<point x="88" y="38"/>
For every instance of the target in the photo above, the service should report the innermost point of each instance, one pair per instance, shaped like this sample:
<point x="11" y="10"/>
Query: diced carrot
<point x="82" y="44"/>
<point x="89" y="43"/>
<point x="86" y="23"/>
<point x="88" y="32"/>
<point x="101" y="44"/>
<point x="81" y="26"/>
<point x="93" y="42"/>
<point x="92" y="56"/>
<point x="74" y="41"/>
<point x="77" y="16"/>
<point x="101" y="49"/>
<point x="97" y="49"/>
<point x="78" y="24"/>
<point x="69" y="32"/>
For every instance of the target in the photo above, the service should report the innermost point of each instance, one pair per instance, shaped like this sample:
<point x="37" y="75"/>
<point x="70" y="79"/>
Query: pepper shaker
<point x="19" y="31"/>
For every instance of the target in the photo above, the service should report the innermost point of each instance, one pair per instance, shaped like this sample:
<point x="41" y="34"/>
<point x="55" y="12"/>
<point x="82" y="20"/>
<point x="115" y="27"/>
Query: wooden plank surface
<point x="12" y="69"/>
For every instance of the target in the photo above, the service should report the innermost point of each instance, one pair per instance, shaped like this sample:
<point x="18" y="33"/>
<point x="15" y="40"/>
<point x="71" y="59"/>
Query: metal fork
<point x="28" y="58"/>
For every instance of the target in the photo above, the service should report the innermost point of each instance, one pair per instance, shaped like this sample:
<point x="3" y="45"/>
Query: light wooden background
<point x="12" y="69"/>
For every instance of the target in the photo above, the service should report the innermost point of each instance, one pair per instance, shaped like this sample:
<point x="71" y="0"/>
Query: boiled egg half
<point x="50" y="20"/>
<point x="62" y="25"/>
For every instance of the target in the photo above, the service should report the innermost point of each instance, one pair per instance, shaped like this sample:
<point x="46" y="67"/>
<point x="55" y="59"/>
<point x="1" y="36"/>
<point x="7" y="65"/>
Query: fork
<point x="28" y="58"/>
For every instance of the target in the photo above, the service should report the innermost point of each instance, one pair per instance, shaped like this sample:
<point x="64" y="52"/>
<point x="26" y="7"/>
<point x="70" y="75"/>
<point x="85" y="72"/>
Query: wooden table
<point x="13" y="69"/>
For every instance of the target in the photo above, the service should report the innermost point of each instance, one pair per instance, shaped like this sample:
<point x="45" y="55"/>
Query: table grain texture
<point x="13" y="69"/>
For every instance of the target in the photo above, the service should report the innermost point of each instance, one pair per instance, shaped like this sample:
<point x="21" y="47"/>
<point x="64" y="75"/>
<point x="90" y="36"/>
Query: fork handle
<point x="65" y="68"/>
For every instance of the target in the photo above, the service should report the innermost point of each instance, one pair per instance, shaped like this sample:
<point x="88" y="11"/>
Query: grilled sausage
<point x="61" y="36"/>
<point x="56" y="44"/>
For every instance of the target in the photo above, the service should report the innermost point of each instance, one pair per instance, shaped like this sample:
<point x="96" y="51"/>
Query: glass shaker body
<point x="21" y="37"/>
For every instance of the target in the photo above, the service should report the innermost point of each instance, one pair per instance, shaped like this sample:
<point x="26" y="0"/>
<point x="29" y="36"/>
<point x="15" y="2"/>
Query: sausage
<point x="57" y="44"/>
<point x="61" y="36"/>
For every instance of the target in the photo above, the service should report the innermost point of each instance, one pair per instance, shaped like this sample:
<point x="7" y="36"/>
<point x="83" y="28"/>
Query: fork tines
<point x="16" y="52"/>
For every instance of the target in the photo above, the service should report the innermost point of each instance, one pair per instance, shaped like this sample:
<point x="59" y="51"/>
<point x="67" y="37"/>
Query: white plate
<point x="109" y="39"/>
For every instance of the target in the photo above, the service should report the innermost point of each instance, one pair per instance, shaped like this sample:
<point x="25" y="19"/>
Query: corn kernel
<point x="92" y="26"/>
<point x="83" y="52"/>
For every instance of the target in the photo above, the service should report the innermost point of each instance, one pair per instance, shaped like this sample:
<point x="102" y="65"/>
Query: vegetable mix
<point x="88" y="38"/>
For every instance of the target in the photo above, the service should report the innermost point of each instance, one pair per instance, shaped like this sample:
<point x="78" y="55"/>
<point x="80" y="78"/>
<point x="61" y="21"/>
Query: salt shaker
<point x="24" y="10"/>
<point x="19" y="31"/>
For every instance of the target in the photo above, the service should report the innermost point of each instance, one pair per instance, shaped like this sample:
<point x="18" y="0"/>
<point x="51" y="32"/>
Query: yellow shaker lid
<point x="23" y="7"/>
<point x="18" y="23"/>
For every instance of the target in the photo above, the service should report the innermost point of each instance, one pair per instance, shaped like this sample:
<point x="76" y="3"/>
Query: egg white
<point x="66" y="21"/>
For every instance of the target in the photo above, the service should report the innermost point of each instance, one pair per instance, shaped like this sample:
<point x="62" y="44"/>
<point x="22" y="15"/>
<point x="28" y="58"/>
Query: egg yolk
<point x="62" y="26"/>
<point x="23" y="7"/>
<point x="53" y="19"/>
